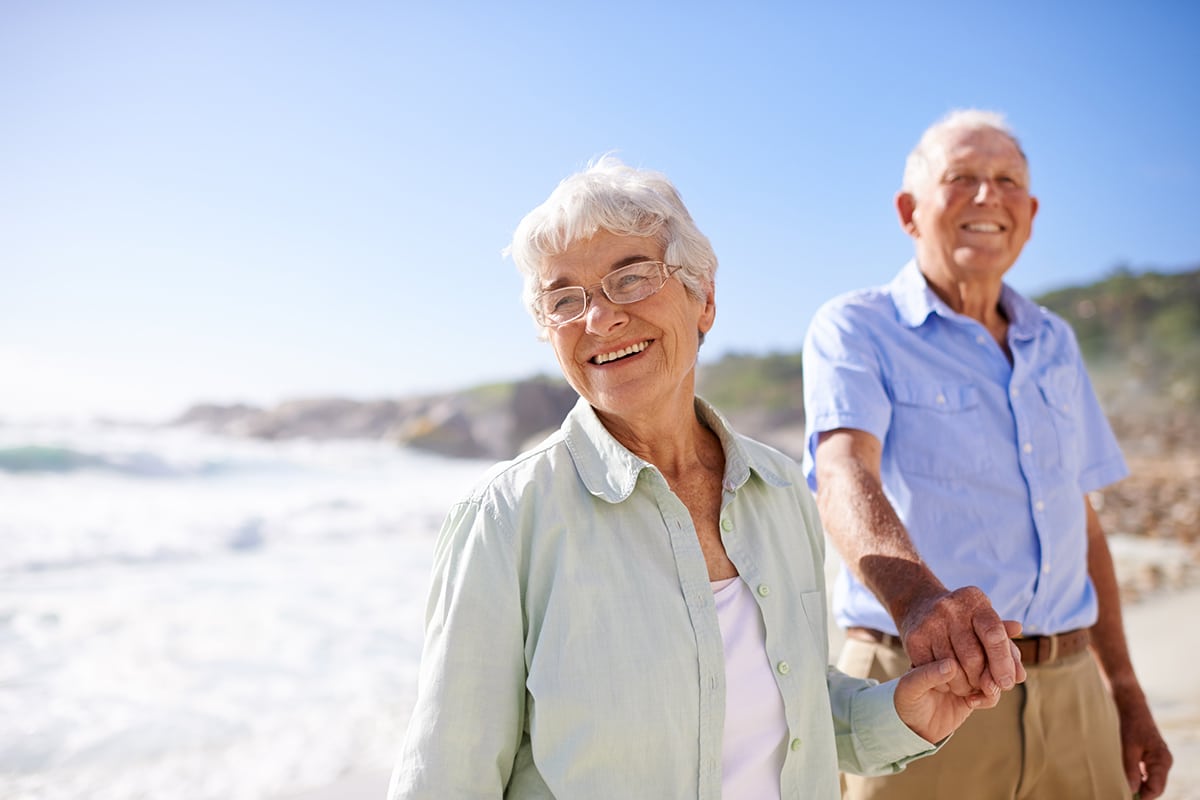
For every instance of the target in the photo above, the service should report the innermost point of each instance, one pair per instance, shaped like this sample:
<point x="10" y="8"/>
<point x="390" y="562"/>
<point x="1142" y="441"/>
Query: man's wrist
<point x="918" y="589"/>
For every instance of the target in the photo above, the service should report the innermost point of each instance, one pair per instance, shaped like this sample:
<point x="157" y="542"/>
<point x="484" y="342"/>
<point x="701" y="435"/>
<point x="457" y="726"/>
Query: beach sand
<point x="1163" y="657"/>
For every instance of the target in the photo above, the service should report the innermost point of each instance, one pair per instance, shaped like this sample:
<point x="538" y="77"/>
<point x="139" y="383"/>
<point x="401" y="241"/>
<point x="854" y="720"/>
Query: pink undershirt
<point x="755" y="739"/>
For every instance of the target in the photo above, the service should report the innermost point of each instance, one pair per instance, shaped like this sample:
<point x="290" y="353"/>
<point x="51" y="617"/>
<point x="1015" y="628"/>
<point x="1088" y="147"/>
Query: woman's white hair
<point x="611" y="196"/>
<point x="917" y="167"/>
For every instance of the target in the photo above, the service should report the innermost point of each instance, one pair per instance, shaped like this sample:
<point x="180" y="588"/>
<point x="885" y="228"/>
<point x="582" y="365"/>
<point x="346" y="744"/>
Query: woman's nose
<point x="603" y="314"/>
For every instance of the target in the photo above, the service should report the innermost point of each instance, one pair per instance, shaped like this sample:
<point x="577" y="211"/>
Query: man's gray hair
<point x="917" y="167"/>
<point x="611" y="196"/>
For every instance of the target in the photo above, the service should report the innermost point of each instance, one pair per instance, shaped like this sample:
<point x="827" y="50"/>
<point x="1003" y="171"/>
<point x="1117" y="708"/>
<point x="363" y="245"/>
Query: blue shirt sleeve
<point x="843" y="382"/>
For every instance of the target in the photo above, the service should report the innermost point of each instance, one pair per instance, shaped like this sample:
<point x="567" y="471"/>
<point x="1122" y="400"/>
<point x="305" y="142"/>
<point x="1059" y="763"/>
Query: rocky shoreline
<point x="490" y="422"/>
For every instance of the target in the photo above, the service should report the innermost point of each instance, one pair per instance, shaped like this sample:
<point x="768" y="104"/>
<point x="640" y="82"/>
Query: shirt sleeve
<point x="1101" y="462"/>
<point x="871" y="738"/>
<point x="468" y="720"/>
<point x="843" y="382"/>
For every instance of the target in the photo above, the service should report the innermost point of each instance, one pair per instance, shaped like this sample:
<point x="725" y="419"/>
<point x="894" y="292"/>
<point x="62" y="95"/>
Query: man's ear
<point x="906" y="206"/>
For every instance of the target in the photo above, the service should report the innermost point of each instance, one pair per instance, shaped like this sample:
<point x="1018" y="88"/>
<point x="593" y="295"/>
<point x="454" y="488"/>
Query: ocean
<point x="185" y="617"/>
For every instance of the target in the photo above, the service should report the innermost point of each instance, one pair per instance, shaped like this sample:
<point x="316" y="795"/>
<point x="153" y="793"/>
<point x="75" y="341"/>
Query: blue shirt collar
<point x="610" y="471"/>
<point x="915" y="301"/>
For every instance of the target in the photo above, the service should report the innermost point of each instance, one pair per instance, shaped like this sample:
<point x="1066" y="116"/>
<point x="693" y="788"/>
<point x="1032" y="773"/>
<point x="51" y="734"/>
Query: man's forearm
<point x="1108" y="634"/>
<point x="934" y="623"/>
<point x="871" y="538"/>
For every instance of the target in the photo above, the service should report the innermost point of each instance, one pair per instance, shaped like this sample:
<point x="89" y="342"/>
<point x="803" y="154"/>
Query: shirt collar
<point x="913" y="298"/>
<point x="915" y="301"/>
<point x="610" y="471"/>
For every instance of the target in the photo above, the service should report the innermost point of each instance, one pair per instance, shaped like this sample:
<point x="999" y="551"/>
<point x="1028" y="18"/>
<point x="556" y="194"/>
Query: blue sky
<point x="257" y="201"/>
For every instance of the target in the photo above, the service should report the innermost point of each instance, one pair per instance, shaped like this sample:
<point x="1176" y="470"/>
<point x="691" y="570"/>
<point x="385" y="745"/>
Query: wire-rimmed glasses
<point x="621" y="286"/>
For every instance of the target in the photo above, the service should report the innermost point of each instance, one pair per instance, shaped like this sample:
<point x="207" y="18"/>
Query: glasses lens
<point x="559" y="306"/>
<point x="635" y="282"/>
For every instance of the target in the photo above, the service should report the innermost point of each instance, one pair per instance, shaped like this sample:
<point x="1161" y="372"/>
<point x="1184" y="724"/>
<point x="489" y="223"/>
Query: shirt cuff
<point x="882" y="733"/>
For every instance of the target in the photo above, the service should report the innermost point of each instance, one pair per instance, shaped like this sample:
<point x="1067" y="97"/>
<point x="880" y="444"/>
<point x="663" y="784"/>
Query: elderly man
<point x="953" y="434"/>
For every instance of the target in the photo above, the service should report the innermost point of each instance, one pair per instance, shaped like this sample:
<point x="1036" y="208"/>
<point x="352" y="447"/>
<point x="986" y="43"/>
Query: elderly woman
<point x="635" y="608"/>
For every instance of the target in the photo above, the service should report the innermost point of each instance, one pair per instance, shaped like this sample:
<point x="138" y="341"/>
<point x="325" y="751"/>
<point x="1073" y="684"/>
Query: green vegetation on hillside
<point x="769" y="383"/>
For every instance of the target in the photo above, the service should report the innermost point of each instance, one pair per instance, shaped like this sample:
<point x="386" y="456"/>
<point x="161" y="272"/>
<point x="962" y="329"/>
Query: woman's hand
<point x="926" y="705"/>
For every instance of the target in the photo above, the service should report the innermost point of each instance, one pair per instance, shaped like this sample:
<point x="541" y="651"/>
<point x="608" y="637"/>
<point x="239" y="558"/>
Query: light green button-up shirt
<point x="572" y="647"/>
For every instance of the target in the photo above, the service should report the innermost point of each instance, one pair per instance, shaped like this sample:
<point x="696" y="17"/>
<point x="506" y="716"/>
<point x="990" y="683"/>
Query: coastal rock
<point x="490" y="422"/>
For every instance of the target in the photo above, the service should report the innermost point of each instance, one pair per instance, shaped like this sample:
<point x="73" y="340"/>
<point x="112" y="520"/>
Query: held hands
<point x="963" y="627"/>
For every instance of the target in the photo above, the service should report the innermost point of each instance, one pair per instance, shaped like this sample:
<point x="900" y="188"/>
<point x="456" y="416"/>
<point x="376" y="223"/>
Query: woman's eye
<point x="567" y="303"/>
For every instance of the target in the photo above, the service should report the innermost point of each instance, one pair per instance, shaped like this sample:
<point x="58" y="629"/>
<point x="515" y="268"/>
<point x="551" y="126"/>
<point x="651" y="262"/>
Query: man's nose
<point x="988" y="192"/>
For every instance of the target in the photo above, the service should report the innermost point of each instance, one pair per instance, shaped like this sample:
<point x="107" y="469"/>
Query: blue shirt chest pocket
<point x="1057" y="388"/>
<point x="937" y="430"/>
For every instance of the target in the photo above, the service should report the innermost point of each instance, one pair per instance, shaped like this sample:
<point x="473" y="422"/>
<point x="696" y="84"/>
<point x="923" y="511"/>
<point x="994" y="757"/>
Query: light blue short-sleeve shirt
<point x="985" y="461"/>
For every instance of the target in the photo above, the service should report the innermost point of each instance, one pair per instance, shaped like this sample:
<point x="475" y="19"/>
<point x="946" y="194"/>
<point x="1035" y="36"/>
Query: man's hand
<point x="1147" y="759"/>
<point x="962" y="625"/>
<point x="924" y="704"/>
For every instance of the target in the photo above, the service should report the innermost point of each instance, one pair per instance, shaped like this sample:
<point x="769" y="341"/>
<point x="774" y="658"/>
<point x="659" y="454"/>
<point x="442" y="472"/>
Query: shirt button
<point x="763" y="590"/>
<point x="941" y="399"/>
<point x="784" y="668"/>
<point x="795" y="745"/>
<point x="1027" y="447"/>
<point x="1016" y="392"/>
<point x="726" y="525"/>
<point x="1046" y="569"/>
<point x="1066" y="406"/>
<point x="980" y="339"/>
<point x="1039" y="506"/>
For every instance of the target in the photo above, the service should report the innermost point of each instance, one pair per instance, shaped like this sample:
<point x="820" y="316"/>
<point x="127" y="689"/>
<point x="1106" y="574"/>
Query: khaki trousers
<point x="1054" y="737"/>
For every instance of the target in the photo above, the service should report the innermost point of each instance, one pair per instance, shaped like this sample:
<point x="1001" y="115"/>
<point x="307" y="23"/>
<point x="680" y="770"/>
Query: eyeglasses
<point x="621" y="286"/>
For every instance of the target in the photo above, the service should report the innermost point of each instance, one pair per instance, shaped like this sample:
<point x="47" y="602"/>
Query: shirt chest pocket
<point x="937" y="430"/>
<point x="1057" y="388"/>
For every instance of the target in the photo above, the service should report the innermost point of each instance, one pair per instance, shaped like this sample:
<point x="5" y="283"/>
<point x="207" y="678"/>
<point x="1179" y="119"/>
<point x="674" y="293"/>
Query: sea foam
<point x="190" y="617"/>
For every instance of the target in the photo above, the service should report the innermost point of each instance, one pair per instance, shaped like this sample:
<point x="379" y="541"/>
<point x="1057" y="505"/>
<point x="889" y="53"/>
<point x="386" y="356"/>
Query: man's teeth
<point x="628" y="351"/>
<point x="983" y="227"/>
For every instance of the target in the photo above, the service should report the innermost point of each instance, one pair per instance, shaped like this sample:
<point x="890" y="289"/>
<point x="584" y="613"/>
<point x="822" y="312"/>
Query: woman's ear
<point x="709" y="313"/>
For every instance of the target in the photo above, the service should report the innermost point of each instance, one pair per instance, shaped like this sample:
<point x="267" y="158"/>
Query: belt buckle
<point x="1051" y="642"/>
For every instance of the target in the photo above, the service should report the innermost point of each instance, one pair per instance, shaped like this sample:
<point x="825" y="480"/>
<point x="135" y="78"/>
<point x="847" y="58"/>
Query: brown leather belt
<point x="1045" y="649"/>
<point x="1034" y="649"/>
